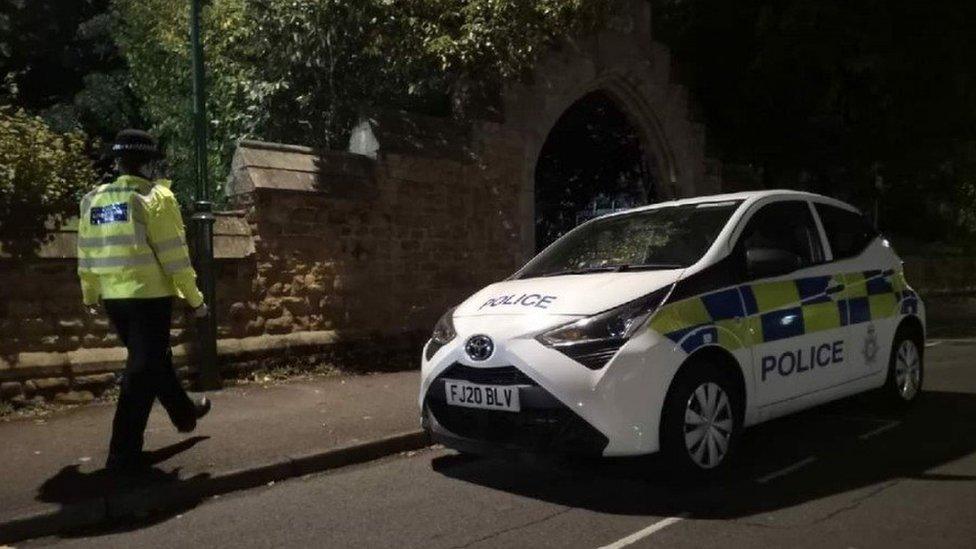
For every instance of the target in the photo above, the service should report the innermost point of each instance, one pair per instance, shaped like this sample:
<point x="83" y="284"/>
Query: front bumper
<point x="544" y="424"/>
<point x="621" y="401"/>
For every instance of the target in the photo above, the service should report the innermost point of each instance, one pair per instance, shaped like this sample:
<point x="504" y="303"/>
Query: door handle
<point x="834" y="289"/>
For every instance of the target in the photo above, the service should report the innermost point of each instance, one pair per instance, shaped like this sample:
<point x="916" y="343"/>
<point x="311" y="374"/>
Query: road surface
<point x="848" y="474"/>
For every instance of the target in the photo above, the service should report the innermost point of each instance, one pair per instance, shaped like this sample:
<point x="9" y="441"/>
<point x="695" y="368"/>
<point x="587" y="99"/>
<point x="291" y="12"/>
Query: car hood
<point x="581" y="295"/>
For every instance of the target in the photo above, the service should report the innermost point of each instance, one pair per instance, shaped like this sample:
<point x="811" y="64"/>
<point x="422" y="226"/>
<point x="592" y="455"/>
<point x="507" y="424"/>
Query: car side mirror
<point x="764" y="262"/>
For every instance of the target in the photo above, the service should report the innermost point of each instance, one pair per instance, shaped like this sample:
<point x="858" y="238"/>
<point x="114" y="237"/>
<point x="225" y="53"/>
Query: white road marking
<point x="786" y="470"/>
<point x="879" y="430"/>
<point x="933" y="343"/>
<point x="639" y="535"/>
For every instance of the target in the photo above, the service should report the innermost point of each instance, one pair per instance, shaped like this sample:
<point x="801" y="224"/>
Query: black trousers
<point x="143" y="326"/>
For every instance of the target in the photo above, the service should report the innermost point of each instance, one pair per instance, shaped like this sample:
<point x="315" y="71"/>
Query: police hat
<point x="137" y="145"/>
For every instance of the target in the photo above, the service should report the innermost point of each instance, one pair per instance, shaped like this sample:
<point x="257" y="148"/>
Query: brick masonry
<point x="50" y="347"/>
<point x="384" y="248"/>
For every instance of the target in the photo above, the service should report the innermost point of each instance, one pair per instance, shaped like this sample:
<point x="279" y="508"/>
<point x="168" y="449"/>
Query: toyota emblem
<point x="479" y="347"/>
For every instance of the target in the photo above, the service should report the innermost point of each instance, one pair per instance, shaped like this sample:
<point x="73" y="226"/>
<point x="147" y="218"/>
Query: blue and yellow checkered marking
<point x="784" y="309"/>
<point x="813" y="287"/>
<point x="723" y="305"/>
<point x="749" y="300"/>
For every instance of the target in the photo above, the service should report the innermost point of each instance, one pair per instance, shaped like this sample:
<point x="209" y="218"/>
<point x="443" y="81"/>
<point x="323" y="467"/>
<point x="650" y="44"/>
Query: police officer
<point x="133" y="260"/>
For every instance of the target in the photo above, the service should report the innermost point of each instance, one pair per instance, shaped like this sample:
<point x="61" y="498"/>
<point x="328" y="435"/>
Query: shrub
<point x="42" y="175"/>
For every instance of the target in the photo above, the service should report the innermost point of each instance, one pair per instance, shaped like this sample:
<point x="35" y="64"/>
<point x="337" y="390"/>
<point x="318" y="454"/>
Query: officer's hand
<point x="202" y="311"/>
<point x="94" y="310"/>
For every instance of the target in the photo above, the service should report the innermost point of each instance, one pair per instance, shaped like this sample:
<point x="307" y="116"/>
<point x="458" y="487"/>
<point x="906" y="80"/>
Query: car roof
<point x="745" y="196"/>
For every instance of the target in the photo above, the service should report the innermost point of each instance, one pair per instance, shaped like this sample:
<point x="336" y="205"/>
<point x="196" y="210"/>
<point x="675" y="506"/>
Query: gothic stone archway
<point x="626" y="64"/>
<point x="592" y="162"/>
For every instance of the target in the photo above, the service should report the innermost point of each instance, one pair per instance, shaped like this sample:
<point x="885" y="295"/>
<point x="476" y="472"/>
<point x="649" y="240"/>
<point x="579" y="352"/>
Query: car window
<point x="785" y="226"/>
<point x="848" y="232"/>
<point x="670" y="237"/>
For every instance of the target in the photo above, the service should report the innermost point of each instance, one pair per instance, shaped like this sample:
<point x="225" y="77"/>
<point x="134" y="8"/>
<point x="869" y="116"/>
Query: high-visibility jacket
<point x="132" y="244"/>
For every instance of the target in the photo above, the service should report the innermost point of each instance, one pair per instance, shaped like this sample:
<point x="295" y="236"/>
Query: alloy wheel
<point x="908" y="370"/>
<point x="708" y="425"/>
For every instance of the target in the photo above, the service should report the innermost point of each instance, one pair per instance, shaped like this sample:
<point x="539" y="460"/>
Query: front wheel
<point x="906" y="370"/>
<point x="701" y="421"/>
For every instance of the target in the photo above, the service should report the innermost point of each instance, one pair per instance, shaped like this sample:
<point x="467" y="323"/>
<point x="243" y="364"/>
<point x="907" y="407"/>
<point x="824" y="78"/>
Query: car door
<point x="872" y="301"/>
<point x="794" y="312"/>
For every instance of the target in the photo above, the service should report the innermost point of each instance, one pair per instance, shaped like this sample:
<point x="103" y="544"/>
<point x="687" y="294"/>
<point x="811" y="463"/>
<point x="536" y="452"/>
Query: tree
<point x="42" y="176"/>
<point x="302" y="71"/>
<point x="835" y="96"/>
<point x="62" y="64"/>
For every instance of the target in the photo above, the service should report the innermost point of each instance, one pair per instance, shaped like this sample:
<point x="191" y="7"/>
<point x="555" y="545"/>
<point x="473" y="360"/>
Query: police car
<point x="672" y="327"/>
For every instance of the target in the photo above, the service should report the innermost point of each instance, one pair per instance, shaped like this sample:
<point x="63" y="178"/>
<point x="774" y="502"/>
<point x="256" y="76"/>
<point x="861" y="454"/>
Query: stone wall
<point x="370" y="247"/>
<point x="948" y="287"/>
<point x="933" y="276"/>
<point x="325" y="249"/>
<point x="51" y="347"/>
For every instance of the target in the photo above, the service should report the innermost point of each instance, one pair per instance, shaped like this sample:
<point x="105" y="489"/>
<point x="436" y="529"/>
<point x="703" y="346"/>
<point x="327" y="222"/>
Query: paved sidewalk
<point x="52" y="466"/>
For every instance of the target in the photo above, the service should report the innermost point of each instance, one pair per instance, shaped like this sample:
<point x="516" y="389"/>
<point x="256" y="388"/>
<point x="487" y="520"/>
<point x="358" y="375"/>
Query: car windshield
<point x="670" y="237"/>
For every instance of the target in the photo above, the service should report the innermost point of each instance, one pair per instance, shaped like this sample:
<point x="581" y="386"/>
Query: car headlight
<point x="592" y="341"/>
<point x="443" y="334"/>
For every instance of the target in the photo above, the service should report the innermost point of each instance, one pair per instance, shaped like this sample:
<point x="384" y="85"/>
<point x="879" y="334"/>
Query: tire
<point x="692" y="438"/>
<point x="906" y="370"/>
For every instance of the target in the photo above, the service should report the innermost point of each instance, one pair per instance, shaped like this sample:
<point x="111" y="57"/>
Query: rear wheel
<point x="701" y="421"/>
<point x="906" y="370"/>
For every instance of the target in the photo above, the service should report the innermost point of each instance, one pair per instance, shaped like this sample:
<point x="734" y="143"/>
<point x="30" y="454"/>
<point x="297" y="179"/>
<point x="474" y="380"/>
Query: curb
<point x="143" y="501"/>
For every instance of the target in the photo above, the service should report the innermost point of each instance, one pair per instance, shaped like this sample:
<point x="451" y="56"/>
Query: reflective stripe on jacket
<point x="132" y="244"/>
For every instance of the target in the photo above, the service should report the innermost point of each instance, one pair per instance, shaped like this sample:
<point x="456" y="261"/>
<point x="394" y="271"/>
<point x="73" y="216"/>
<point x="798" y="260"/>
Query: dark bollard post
<point x="206" y="328"/>
<point x="203" y="218"/>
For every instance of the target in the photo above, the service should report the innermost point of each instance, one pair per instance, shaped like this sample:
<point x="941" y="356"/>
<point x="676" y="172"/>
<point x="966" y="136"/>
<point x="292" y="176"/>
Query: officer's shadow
<point x="151" y="495"/>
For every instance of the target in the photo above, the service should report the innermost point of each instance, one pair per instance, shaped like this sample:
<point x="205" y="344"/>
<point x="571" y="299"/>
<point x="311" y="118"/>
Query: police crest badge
<point x="870" y="350"/>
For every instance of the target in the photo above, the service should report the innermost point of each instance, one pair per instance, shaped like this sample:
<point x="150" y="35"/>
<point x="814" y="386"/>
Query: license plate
<point x="488" y="397"/>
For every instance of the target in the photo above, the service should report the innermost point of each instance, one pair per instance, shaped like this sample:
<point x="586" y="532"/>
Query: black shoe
<point x="200" y="409"/>
<point x="203" y="407"/>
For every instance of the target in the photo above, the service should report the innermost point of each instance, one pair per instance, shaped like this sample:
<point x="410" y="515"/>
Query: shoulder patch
<point x="112" y="213"/>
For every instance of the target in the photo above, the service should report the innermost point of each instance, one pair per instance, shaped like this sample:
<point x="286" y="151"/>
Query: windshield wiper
<point x="649" y="267"/>
<point x="581" y="271"/>
<point x="616" y="269"/>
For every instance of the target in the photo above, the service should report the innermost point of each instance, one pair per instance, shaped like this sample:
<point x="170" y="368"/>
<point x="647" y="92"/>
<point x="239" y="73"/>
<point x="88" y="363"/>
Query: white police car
<point x="673" y="326"/>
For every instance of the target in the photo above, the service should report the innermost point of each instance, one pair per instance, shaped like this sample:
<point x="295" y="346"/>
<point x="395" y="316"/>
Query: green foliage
<point x="42" y="175"/>
<point x="302" y="71"/>
<point x="62" y="64"/>
<point x="830" y="95"/>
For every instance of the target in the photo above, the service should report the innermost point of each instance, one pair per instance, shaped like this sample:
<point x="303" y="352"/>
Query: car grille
<point x="506" y="375"/>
